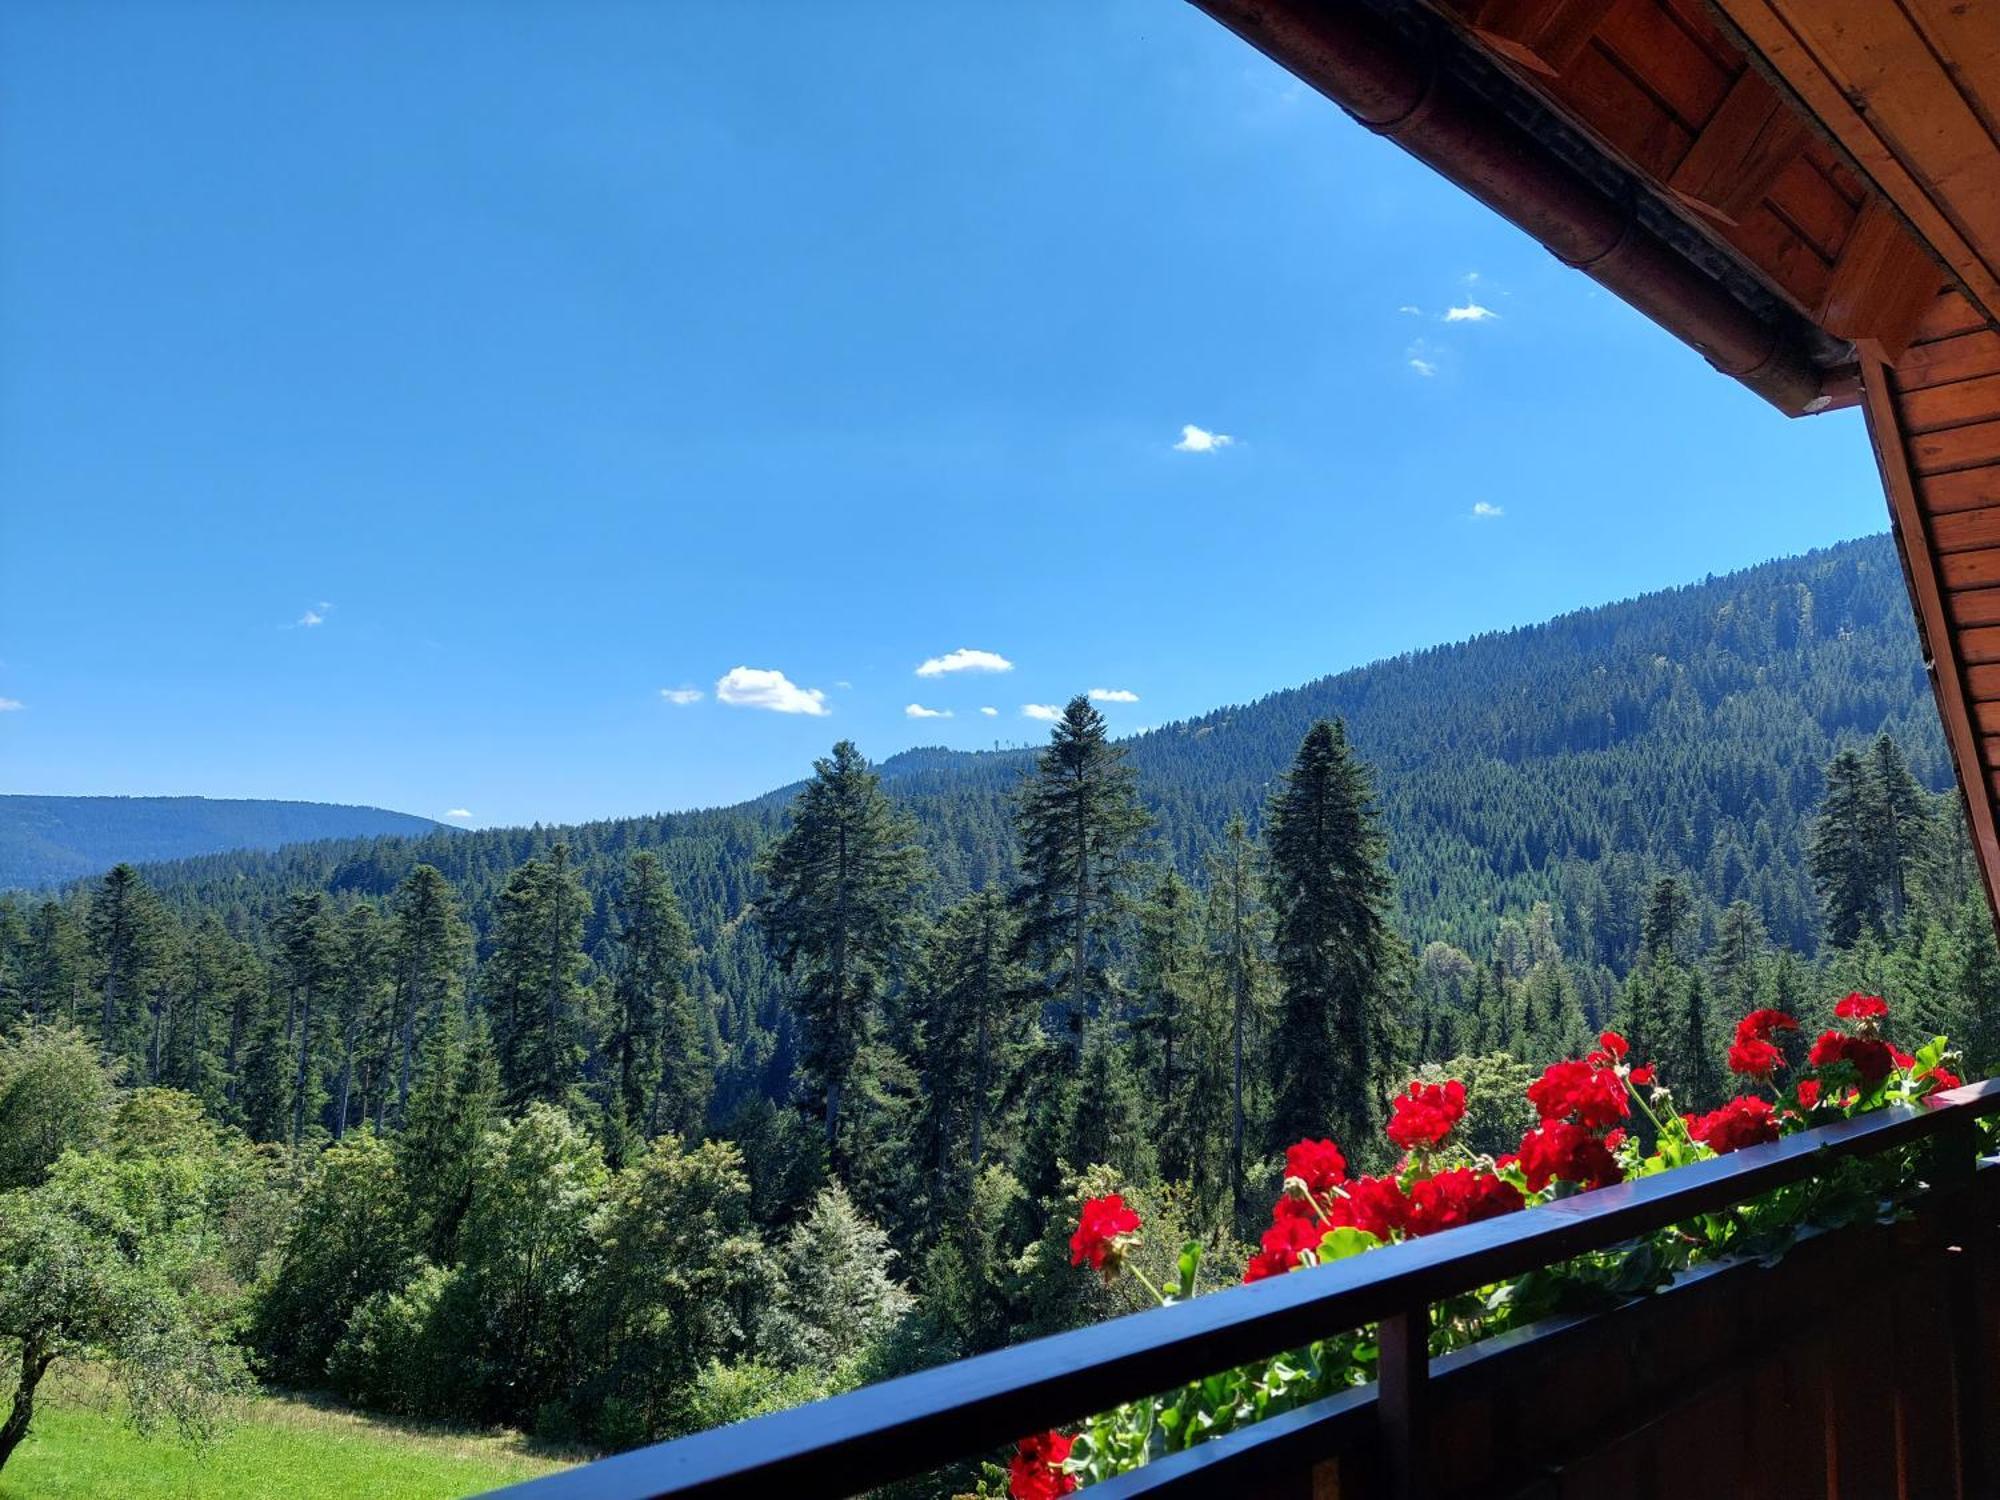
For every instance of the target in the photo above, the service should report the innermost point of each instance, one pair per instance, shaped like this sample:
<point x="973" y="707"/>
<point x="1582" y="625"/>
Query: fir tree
<point x="659" y="1067"/>
<point x="1843" y="853"/>
<point x="838" y="888"/>
<point x="1901" y="815"/>
<point x="1079" y="821"/>
<point x="1329" y="896"/>
<point x="1239" y="942"/>
<point x="533" y="981"/>
<point x="126" y="934"/>
<point x="309" y="959"/>
<point x="430" y="948"/>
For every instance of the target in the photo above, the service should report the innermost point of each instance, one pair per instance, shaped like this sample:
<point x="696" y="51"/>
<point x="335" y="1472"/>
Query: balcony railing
<point x="1852" y="1368"/>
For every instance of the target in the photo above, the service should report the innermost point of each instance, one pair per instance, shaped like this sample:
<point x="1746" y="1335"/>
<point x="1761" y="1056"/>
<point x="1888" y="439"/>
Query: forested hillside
<point x="49" y="840"/>
<point x="1683" y="732"/>
<point x="638" y="1127"/>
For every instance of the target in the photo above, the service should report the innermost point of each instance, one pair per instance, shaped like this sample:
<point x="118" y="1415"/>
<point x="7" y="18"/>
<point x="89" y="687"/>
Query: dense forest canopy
<point x="630" y="1128"/>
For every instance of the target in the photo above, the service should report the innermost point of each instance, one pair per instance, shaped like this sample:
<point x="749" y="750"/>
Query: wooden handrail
<point x="917" y="1423"/>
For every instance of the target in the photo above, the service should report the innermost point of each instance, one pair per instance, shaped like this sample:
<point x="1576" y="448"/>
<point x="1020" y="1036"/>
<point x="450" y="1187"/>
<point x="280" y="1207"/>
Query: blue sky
<point x="395" y="399"/>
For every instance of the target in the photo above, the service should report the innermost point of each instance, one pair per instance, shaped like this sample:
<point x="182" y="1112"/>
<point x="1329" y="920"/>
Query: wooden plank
<point x="1610" y="103"/>
<point x="1965" y="530"/>
<point x="1677" y="72"/>
<point x="1951" y="314"/>
<point x="1956" y="448"/>
<point x="1883" y="284"/>
<point x="1749" y="140"/>
<point x="1976" y="607"/>
<point x="1990" y="748"/>
<point x="1929" y="576"/>
<point x="1543" y="36"/>
<point x="1987" y="716"/>
<point x="1955" y="405"/>
<point x="1961" y="357"/>
<point x="1983" y="683"/>
<point x="1979" y="646"/>
<point x="1962" y="489"/>
<point x="1971" y="570"/>
<point x="1787" y="35"/>
<point x="1805" y="198"/>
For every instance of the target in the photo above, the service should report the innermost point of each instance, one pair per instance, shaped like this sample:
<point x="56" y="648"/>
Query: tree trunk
<point x="34" y="1364"/>
<point x="299" y="1078"/>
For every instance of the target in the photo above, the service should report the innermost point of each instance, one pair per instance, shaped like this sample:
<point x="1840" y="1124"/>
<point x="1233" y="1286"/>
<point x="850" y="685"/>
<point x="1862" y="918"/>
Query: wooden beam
<point x="1921" y="568"/>
<point x="1813" y="46"/>
<point x="1747" y="142"/>
<point x="1883" y="284"/>
<point x="1544" y="36"/>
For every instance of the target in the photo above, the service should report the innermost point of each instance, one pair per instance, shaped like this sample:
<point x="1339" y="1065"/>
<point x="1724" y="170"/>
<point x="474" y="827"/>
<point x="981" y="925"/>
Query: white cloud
<point x="965" y="659"/>
<point x="1422" y="366"/>
<point x="311" y="618"/>
<point x="1200" y="440"/>
<point x="1113" y="695"/>
<point x="11" y="705"/>
<point x="458" y="812"/>
<point x="1410" y="309"/>
<point x="681" y="697"/>
<point x="1043" y="711"/>
<point x="1471" y="312"/>
<point x="757" y="687"/>
<point x="918" y="711"/>
<point x="1482" y="511"/>
<point x="991" y="713"/>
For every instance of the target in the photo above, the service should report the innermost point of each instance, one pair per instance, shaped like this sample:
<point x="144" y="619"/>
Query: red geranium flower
<point x="1753" y="1057"/>
<point x="1575" y="1091"/>
<point x="1036" y="1471"/>
<point x="1318" y="1164"/>
<point x="1641" y="1077"/>
<point x="1559" y="1151"/>
<point x="1375" y="1204"/>
<point x="1460" y="1196"/>
<point x="1615" y="1044"/>
<point x="1902" y="1059"/>
<point x="1743" y="1121"/>
<point x="1104" y="1230"/>
<point x="1868" y="1055"/>
<point x="1860" y="1007"/>
<point x="1424" y="1115"/>
<point x="1809" y="1093"/>
<point x="1759" y="1024"/>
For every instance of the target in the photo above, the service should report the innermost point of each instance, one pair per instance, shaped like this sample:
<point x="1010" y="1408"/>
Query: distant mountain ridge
<point x="1569" y="761"/>
<point x="47" y="841"/>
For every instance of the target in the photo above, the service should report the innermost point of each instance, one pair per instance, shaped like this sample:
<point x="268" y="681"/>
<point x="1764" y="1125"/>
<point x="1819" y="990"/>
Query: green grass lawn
<point x="82" y="1448"/>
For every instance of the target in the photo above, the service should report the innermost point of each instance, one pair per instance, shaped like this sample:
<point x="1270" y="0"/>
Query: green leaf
<point x="1344" y="1241"/>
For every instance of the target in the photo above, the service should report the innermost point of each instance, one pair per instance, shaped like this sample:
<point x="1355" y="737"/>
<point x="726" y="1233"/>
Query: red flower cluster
<point x="1755" y="1059"/>
<point x="1586" y="1095"/>
<point x="1558" y="1151"/>
<point x="1036" y="1470"/>
<point x="1809" y="1093"/>
<point x="1374" y="1204"/>
<point x="1422" y="1117"/>
<point x="1294" y="1230"/>
<point x="1743" y="1121"/>
<point x="1860" y="1007"/>
<point x="1104" y="1230"/>
<point x="1869" y="1056"/>
<point x="1460" y="1196"/>
<point x="1753" y="1054"/>
<point x="1318" y="1164"/>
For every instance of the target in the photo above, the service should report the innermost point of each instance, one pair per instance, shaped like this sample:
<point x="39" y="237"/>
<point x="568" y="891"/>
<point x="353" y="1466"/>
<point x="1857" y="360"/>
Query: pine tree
<point x="1329" y="894"/>
<point x="126" y="930"/>
<point x="360" y="995"/>
<point x="660" y="1071"/>
<point x="1901" y="821"/>
<point x="1158" y="1016"/>
<point x="1079" y="821"/>
<point x="430" y="948"/>
<point x="967" y="1039"/>
<point x="1843" y="853"/>
<point x="839" y="884"/>
<point x="308" y="960"/>
<point x="1669" y="917"/>
<point x="1239" y="943"/>
<point x="533" y="981"/>
<point x="54" y="966"/>
<point x="454" y="1101"/>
